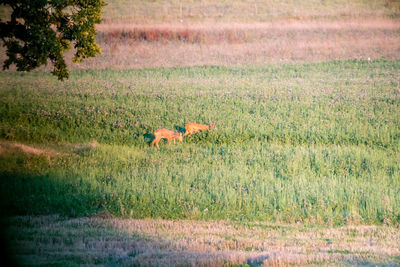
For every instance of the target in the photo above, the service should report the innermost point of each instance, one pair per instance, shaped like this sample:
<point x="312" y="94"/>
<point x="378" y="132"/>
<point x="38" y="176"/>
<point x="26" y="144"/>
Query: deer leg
<point x="158" y="140"/>
<point x="155" y="141"/>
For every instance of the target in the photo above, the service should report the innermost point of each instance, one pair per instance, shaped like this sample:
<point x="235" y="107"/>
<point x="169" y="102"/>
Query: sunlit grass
<point x="315" y="143"/>
<point x="55" y="240"/>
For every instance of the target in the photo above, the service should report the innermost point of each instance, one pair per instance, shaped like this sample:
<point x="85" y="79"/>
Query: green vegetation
<point x="303" y="167"/>
<point x="40" y="31"/>
<point x="316" y="143"/>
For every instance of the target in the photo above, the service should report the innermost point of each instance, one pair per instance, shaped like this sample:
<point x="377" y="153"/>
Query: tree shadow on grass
<point x="35" y="194"/>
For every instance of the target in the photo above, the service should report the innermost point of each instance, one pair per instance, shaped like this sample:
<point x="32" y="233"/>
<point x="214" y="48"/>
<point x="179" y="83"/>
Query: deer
<point x="192" y="128"/>
<point x="165" y="133"/>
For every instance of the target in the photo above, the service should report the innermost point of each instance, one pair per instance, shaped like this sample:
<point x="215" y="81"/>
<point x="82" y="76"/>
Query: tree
<point x="42" y="30"/>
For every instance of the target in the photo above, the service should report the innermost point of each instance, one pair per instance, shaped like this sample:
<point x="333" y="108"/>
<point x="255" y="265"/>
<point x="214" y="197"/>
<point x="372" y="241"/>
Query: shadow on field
<point x="179" y="129"/>
<point x="257" y="261"/>
<point x="35" y="194"/>
<point x="393" y="261"/>
<point x="148" y="138"/>
<point x="8" y="257"/>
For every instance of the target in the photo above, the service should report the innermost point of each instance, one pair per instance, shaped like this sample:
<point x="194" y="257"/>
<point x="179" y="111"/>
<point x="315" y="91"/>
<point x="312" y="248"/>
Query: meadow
<point x="302" y="168"/>
<point x="293" y="143"/>
<point x="297" y="148"/>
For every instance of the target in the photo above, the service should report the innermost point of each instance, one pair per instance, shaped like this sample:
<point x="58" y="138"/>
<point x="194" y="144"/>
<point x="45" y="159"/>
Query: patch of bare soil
<point x="27" y="149"/>
<point x="10" y="147"/>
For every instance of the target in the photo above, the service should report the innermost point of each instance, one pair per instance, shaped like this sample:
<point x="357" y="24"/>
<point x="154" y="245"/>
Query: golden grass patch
<point x="159" y="242"/>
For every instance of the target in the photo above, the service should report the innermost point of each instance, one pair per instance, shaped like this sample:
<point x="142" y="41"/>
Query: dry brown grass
<point x="144" y="11"/>
<point x="139" y="33"/>
<point x="285" y="41"/>
<point x="166" y="45"/>
<point x="151" y="242"/>
<point x="172" y="31"/>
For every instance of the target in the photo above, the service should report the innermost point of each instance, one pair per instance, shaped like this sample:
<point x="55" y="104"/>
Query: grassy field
<point x="302" y="168"/>
<point x="293" y="143"/>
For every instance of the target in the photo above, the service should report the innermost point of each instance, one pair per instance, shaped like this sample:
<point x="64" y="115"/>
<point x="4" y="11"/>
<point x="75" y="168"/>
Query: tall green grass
<point x="307" y="142"/>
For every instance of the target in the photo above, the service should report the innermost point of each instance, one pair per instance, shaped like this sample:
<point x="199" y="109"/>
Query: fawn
<point x="192" y="128"/>
<point x="165" y="133"/>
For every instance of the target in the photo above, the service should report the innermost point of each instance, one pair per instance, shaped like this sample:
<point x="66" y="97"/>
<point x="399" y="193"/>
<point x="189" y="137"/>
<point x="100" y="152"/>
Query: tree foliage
<point x="42" y="30"/>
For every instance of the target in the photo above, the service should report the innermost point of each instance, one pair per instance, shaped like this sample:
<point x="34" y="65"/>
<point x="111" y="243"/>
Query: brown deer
<point x="192" y="128"/>
<point x="165" y="133"/>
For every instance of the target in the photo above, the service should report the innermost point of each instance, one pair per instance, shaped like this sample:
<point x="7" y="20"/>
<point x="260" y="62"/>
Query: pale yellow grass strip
<point x="8" y="147"/>
<point x="154" y="242"/>
<point x="380" y="23"/>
